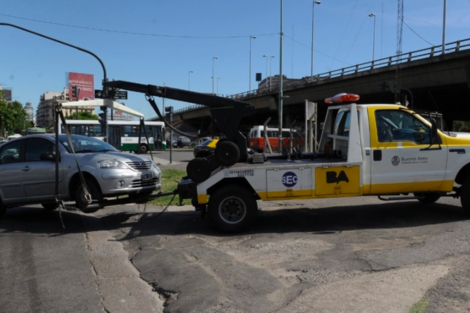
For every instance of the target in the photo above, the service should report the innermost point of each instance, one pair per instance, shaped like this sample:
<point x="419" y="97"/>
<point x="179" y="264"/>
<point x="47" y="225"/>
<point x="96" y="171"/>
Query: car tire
<point x="198" y="169"/>
<point x="232" y="208"/>
<point x="227" y="153"/>
<point x="142" y="149"/>
<point x="465" y="196"/>
<point x="80" y="200"/>
<point x="50" y="206"/>
<point x="427" y="197"/>
<point x="3" y="209"/>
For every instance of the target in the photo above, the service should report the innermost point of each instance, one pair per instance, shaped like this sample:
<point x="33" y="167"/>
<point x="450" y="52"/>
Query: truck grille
<point x="143" y="183"/>
<point x="140" y="165"/>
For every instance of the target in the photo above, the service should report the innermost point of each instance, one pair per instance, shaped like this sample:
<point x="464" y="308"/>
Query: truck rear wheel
<point x="427" y="197"/>
<point x="232" y="208"/>
<point x="465" y="196"/>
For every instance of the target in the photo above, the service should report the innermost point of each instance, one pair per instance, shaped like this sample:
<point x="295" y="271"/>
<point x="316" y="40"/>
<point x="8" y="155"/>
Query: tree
<point x="12" y="116"/>
<point x="84" y="115"/>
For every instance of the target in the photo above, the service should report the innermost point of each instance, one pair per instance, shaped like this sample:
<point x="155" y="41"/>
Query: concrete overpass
<point x="430" y="79"/>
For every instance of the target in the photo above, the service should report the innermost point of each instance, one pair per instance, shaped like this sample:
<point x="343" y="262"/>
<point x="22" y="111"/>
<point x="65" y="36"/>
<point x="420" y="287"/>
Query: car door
<point x="401" y="159"/>
<point x="11" y="165"/>
<point x="39" y="173"/>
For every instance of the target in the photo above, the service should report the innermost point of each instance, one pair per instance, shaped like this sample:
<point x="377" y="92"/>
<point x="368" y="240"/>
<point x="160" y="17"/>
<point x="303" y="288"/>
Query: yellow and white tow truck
<point x="384" y="150"/>
<point x="375" y="149"/>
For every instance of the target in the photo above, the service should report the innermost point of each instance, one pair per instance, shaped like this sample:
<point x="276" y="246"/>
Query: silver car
<point x="27" y="172"/>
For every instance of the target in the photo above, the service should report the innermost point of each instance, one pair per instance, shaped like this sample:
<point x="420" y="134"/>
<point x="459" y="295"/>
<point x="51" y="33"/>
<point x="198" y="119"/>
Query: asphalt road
<point x="325" y="255"/>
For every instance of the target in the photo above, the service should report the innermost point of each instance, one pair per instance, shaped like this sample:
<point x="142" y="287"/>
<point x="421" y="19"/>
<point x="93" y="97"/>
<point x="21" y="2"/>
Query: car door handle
<point x="459" y="151"/>
<point x="26" y="169"/>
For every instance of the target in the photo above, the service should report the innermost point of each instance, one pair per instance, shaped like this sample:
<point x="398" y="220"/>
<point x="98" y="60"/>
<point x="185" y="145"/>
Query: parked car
<point x="27" y="172"/>
<point x="206" y="148"/>
<point x="183" y="142"/>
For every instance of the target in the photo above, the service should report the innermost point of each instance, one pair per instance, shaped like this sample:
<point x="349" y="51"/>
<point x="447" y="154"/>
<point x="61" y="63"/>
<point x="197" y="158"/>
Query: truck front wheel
<point x="465" y="196"/>
<point x="232" y="208"/>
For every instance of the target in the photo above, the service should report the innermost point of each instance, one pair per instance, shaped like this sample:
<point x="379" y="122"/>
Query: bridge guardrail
<point x="403" y="58"/>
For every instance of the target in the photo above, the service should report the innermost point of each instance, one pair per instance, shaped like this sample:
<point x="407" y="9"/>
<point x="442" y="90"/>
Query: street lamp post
<point x="213" y="59"/>
<point x="270" y="81"/>
<point x="189" y="79"/>
<point x="313" y="28"/>
<point x="444" y="28"/>
<point x="267" y="58"/>
<point x="251" y="37"/>
<point x="373" y="42"/>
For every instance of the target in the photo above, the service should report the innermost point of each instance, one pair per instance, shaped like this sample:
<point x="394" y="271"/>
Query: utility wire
<point x="135" y="33"/>
<point x="417" y="34"/>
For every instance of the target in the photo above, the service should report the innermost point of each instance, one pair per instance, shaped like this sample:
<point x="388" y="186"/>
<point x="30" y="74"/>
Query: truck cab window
<point x="393" y="125"/>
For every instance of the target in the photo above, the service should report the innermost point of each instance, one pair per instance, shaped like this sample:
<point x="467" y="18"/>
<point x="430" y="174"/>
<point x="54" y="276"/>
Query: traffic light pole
<point x="169" y="116"/>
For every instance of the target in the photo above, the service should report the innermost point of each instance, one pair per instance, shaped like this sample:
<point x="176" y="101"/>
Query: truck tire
<point x="80" y="200"/>
<point x="232" y="208"/>
<point x="465" y="196"/>
<point x="198" y="169"/>
<point x="227" y="153"/>
<point x="427" y="197"/>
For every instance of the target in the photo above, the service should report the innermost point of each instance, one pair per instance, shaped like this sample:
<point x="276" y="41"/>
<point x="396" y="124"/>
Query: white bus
<point x="123" y="135"/>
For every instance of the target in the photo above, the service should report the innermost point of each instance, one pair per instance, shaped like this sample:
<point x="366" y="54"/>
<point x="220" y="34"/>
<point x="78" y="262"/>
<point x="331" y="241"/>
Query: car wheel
<point x="465" y="196"/>
<point x="427" y="197"/>
<point x="3" y="209"/>
<point x="95" y="192"/>
<point x="198" y="169"/>
<point x="143" y="149"/>
<point x="227" y="153"/>
<point x="232" y="208"/>
<point x="50" y="206"/>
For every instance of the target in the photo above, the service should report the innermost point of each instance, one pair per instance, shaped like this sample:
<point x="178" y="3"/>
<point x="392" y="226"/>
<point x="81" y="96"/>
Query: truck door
<point x="400" y="160"/>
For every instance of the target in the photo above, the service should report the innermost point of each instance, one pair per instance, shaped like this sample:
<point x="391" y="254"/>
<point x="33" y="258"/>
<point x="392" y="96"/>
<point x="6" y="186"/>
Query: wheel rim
<point x="232" y="210"/>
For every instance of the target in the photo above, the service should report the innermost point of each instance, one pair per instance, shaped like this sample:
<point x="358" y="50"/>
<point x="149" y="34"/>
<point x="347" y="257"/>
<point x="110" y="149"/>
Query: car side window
<point x="395" y="125"/>
<point x="35" y="147"/>
<point x="10" y="152"/>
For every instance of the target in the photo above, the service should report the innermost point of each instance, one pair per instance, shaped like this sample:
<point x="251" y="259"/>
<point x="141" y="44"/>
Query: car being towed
<point x="27" y="172"/>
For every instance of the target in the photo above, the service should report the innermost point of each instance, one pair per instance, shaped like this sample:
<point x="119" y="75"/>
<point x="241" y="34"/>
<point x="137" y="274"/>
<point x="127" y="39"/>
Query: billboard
<point x="81" y="86"/>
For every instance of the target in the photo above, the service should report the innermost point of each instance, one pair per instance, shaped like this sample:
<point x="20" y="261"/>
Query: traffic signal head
<point x="169" y="109"/>
<point x="74" y="91"/>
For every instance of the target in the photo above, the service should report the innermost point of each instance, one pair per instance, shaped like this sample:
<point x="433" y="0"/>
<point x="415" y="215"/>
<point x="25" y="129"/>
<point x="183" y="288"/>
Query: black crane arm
<point x="226" y="113"/>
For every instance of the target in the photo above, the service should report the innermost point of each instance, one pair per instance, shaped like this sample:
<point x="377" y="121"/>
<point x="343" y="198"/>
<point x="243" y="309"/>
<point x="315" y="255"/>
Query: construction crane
<point x="399" y="51"/>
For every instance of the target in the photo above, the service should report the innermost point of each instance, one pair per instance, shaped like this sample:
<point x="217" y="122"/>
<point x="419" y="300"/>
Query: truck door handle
<point x="377" y="155"/>
<point x="26" y="169"/>
<point x="459" y="151"/>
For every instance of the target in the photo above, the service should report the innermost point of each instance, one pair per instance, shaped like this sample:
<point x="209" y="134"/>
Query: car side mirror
<point x="47" y="157"/>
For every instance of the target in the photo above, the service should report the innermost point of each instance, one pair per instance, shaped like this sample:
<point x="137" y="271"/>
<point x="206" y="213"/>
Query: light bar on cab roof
<point x="342" y="97"/>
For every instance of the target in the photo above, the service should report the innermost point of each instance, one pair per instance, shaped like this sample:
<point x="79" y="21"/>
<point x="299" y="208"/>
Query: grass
<point x="420" y="306"/>
<point x="170" y="180"/>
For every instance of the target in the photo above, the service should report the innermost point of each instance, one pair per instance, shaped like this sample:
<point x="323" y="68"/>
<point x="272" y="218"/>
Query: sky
<point x="160" y="41"/>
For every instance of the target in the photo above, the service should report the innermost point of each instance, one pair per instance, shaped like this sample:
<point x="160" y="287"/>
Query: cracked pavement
<point x="346" y="255"/>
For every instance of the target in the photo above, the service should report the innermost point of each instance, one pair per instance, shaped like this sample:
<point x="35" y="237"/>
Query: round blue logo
<point x="289" y="179"/>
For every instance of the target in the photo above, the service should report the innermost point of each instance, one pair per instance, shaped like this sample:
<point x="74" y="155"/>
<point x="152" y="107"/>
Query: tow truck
<point x="384" y="150"/>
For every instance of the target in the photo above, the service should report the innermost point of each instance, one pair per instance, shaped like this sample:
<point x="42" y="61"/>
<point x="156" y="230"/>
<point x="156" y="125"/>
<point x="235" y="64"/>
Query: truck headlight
<point x="110" y="164"/>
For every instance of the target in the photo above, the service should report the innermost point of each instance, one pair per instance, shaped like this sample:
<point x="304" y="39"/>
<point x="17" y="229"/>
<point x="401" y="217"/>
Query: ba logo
<point x="289" y="179"/>
<point x="332" y="178"/>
